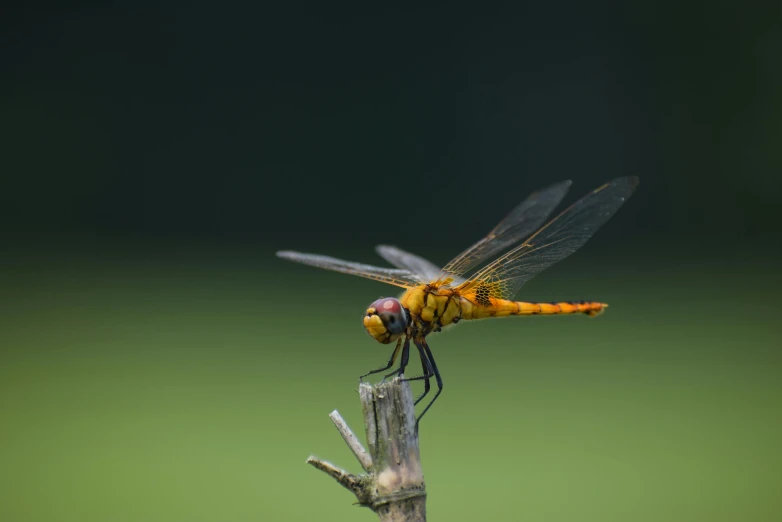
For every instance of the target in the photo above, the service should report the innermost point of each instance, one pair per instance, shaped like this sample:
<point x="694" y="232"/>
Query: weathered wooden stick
<point x="393" y="486"/>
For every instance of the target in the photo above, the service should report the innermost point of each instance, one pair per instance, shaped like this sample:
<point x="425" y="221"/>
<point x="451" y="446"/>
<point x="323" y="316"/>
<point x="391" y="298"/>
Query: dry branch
<point x="393" y="486"/>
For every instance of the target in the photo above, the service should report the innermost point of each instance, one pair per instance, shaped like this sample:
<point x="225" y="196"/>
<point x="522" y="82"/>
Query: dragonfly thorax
<point x="386" y="320"/>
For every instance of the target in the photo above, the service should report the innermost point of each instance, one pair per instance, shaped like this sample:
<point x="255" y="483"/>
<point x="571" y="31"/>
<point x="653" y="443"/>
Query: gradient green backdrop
<point x="157" y="362"/>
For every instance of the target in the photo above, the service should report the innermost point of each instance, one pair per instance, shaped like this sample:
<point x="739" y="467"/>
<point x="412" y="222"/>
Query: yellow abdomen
<point x="503" y="308"/>
<point x="444" y="306"/>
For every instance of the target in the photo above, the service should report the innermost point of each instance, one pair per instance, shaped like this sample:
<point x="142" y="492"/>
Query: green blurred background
<point x="157" y="362"/>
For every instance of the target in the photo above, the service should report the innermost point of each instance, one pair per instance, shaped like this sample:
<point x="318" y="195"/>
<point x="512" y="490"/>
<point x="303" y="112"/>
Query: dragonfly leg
<point x="436" y="376"/>
<point x="428" y="373"/>
<point x="391" y="361"/>
<point x="403" y="362"/>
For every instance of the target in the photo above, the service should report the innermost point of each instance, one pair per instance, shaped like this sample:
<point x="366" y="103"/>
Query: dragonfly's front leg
<point x="403" y="362"/>
<point x="391" y="361"/>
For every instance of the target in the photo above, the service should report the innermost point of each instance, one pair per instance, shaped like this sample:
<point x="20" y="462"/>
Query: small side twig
<point x="393" y="486"/>
<point x="352" y="441"/>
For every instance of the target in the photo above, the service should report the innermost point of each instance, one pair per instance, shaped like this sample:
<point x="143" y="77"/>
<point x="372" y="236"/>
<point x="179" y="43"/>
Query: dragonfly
<point x="482" y="281"/>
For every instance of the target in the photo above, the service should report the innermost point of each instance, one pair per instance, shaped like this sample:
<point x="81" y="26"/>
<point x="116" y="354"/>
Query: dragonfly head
<point x="385" y="320"/>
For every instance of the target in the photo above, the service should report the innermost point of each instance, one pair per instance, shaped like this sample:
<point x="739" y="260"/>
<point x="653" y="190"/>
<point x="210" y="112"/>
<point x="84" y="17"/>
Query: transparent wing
<point x="522" y="221"/>
<point x="559" y="238"/>
<point x="392" y="276"/>
<point x="415" y="264"/>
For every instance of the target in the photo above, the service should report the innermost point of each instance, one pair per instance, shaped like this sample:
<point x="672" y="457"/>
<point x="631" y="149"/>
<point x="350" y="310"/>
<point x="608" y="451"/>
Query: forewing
<point x="392" y="276"/>
<point x="559" y="238"/>
<point x="415" y="264"/>
<point x="522" y="221"/>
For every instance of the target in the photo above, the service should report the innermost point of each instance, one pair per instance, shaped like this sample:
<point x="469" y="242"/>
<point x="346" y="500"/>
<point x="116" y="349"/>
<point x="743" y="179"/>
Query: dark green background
<point x="157" y="362"/>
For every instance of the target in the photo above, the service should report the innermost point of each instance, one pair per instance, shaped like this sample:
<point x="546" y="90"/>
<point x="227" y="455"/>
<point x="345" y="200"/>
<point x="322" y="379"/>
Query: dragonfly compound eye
<point x="385" y="320"/>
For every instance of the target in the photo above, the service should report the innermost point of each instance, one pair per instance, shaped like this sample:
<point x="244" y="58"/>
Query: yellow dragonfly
<point x="481" y="281"/>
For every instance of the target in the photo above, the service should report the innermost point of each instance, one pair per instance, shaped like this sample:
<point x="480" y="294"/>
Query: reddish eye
<point x="392" y="313"/>
<point x="387" y="304"/>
